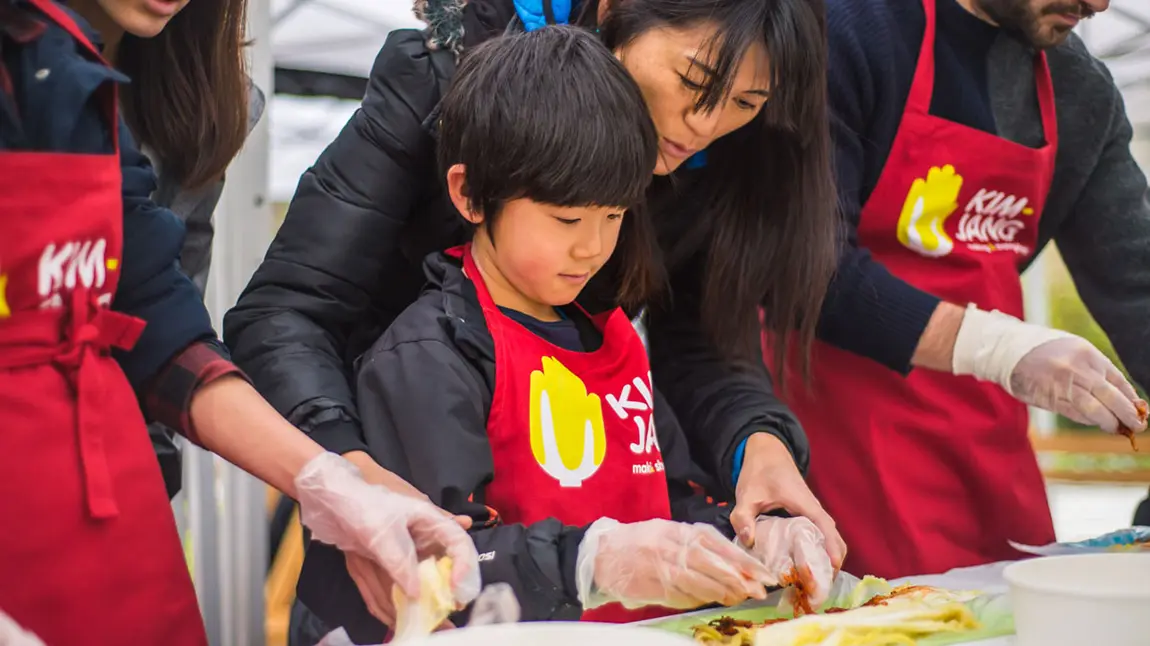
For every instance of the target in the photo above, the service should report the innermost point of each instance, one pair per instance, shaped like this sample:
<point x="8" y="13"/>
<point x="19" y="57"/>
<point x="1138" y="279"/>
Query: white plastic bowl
<point x="1081" y="600"/>
<point x="555" y="633"/>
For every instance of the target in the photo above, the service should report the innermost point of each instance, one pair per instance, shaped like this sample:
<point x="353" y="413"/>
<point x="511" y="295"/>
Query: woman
<point x="95" y="551"/>
<point x="346" y="260"/>
<point x="194" y="50"/>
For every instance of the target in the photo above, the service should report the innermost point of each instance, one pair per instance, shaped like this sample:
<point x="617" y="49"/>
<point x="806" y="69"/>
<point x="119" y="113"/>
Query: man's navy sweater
<point x="1098" y="208"/>
<point x="887" y="35"/>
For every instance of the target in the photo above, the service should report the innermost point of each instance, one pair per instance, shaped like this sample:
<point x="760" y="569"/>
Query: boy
<point x="503" y="400"/>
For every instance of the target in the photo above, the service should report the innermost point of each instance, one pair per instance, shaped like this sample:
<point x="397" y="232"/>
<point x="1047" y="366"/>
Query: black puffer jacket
<point x="346" y="262"/>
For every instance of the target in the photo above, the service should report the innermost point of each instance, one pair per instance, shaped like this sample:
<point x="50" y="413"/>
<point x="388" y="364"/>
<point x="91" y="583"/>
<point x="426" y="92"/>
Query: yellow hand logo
<point x="567" y="435"/>
<point x="5" y="312"/>
<point x="928" y="204"/>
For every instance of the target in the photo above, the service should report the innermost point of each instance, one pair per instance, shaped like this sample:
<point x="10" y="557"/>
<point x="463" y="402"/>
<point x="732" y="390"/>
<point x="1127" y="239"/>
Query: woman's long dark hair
<point x="188" y="99"/>
<point x="768" y="207"/>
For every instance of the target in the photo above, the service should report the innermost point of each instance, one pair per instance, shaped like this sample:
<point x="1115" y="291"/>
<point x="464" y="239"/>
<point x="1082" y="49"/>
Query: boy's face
<point x="538" y="256"/>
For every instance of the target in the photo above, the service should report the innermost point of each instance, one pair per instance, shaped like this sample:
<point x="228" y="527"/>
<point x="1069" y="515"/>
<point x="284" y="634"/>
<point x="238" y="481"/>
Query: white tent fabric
<point x="340" y="36"/>
<point x="1121" y="37"/>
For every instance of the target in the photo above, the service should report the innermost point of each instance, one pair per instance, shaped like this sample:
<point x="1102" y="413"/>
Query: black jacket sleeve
<point x="425" y="409"/>
<point x="324" y="272"/>
<point x="689" y="503"/>
<point x="719" y="402"/>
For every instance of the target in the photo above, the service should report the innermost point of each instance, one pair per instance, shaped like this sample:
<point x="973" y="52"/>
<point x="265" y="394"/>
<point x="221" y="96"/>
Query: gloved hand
<point x="1047" y="368"/>
<point x="11" y="634"/>
<point x="664" y="563"/>
<point x="394" y="530"/>
<point x="787" y="545"/>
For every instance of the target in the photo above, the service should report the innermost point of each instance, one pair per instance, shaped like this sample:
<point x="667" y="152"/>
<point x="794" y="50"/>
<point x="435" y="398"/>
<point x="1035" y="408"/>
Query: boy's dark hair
<point x="552" y="116"/>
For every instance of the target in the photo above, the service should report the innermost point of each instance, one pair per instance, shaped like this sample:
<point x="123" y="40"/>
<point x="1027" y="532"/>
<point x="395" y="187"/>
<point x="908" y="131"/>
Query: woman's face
<point x="142" y="18"/>
<point x="670" y="67"/>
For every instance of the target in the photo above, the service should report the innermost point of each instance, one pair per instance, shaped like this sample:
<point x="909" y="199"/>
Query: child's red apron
<point x="934" y="471"/>
<point x="572" y="433"/>
<point x="89" y="552"/>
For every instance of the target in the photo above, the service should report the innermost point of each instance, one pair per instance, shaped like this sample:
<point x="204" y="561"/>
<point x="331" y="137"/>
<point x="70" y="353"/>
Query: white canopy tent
<point x="302" y="42"/>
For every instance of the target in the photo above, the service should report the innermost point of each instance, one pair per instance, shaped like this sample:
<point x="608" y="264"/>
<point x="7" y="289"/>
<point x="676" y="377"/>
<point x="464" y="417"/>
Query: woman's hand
<point x="795" y="545"/>
<point x="770" y="480"/>
<point x="664" y="563"/>
<point x="392" y="530"/>
<point x="374" y="582"/>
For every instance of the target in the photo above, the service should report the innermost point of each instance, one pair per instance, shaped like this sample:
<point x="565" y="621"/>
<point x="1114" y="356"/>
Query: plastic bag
<point x="1130" y="539"/>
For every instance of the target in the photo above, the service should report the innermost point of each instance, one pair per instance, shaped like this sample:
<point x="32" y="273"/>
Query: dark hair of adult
<point x="552" y="116"/>
<point x="188" y="99"/>
<point x="769" y="209"/>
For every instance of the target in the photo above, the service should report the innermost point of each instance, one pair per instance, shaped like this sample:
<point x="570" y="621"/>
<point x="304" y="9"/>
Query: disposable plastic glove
<point x="11" y="634"/>
<point x="787" y="545"/>
<point x="664" y="563"/>
<point x="496" y="605"/>
<point x="1046" y="368"/>
<point x="394" y="530"/>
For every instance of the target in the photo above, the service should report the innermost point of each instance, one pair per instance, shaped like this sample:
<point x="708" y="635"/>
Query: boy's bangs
<point x="590" y="157"/>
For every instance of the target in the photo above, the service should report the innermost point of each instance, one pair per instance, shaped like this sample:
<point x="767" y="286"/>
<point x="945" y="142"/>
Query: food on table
<point x="802" y="598"/>
<point x="1128" y="432"/>
<point x="901" y="616"/>
<point x="436" y="602"/>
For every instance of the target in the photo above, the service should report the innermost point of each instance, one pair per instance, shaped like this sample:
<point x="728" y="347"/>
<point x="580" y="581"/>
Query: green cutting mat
<point x="992" y="613"/>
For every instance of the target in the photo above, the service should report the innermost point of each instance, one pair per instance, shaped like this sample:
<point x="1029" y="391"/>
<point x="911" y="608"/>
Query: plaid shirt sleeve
<point x="168" y="400"/>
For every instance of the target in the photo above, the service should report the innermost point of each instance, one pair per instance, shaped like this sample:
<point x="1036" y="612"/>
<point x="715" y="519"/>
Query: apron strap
<point x="476" y="276"/>
<point x="94" y="330"/>
<point x="1046" y="100"/>
<point x="922" y="86"/>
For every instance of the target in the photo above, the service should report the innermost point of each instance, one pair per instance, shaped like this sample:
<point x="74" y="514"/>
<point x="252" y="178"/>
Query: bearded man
<point x="968" y="135"/>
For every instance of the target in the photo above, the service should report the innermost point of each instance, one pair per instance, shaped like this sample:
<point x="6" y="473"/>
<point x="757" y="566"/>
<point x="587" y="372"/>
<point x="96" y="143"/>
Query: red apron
<point x="572" y="434"/>
<point x="89" y="553"/>
<point x="934" y="471"/>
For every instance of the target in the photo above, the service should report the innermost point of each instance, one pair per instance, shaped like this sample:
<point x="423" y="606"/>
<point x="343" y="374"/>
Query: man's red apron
<point x="89" y="552"/>
<point x="934" y="471"/>
<point x="572" y="434"/>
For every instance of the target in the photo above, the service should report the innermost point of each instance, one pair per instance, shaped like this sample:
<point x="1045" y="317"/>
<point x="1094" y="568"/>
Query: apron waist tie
<point x="68" y="338"/>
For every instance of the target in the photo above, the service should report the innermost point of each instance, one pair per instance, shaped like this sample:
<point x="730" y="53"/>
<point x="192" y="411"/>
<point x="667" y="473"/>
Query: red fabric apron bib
<point x="89" y="553"/>
<point x="572" y="434"/>
<point x="934" y="471"/>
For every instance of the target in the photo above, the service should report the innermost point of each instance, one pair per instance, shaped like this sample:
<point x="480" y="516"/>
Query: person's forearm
<point x="375" y="474"/>
<point x="935" y="349"/>
<point x="232" y="420"/>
